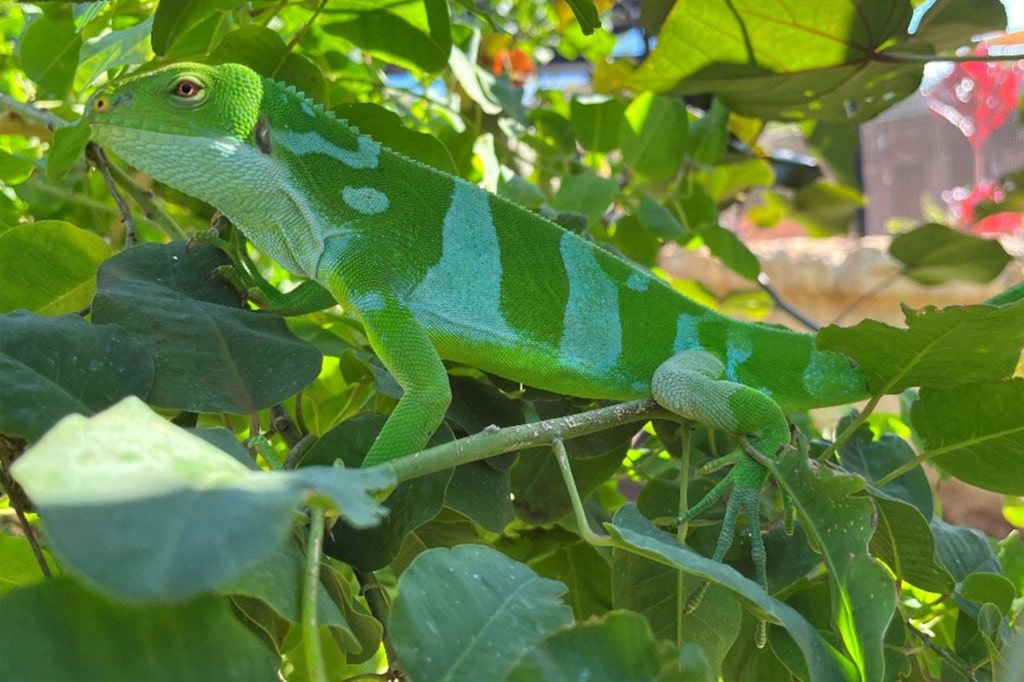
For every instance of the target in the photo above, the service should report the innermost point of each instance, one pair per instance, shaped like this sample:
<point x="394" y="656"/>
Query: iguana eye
<point x="101" y="103"/>
<point x="187" y="88"/>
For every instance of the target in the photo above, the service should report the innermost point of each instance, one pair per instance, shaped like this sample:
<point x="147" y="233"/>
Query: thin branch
<point x="582" y="525"/>
<point x="10" y="450"/>
<point x="43" y="120"/>
<point x="489" y="443"/>
<point x="145" y="199"/>
<point x="765" y="284"/>
<point x="315" y="666"/>
<point x="373" y="593"/>
<point x="868" y="295"/>
<point x="99" y="157"/>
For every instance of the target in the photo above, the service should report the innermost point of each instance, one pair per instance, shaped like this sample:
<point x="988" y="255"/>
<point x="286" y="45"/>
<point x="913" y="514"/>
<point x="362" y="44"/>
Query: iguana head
<point x="192" y="100"/>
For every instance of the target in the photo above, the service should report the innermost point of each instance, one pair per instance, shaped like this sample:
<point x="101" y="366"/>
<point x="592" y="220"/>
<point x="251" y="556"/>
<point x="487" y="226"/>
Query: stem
<point x="850" y="430"/>
<point x="373" y="592"/>
<point x="574" y="495"/>
<point x="310" y="591"/>
<point x="684" y="480"/>
<point x="99" y="157"/>
<point x="489" y="443"/>
<point x="765" y="284"/>
<point x="868" y="295"/>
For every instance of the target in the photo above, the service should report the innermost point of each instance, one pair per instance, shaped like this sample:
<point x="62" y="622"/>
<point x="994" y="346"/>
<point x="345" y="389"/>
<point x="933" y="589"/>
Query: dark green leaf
<point x="538" y="487"/>
<point x="49" y="266"/>
<point x="482" y="494"/>
<point x="586" y="15"/>
<point x="828" y="64"/>
<point x="657" y="219"/>
<point x="873" y="459"/>
<point x="653" y="135"/>
<point x="904" y="542"/>
<point x="409" y="506"/>
<point x="175" y="18"/>
<point x="730" y="249"/>
<point x="122" y="47"/>
<point x="49" y="52"/>
<point x="55" y="366"/>
<point x="825" y="208"/>
<point x="949" y="24"/>
<point x="150" y="537"/>
<point x="615" y="648"/>
<point x="211" y="355"/>
<point x="632" y="532"/>
<point x="839" y="524"/>
<point x="975" y="432"/>
<point x="956" y="345"/>
<point x="990" y="588"/>
<point x="413" y="35"/>
<point x="586" y="194"/>
<point x="962" y="551"/>
<point x="560" y="555"/>
<point x="708" y="135"/>
<point x="67" y="633"/>
<point x="934" y="254"/>
<point x="597" y="123"/>
<point x="68" y="146"/>
<point x="469" y="612"/>
<point x="660" y="593"/>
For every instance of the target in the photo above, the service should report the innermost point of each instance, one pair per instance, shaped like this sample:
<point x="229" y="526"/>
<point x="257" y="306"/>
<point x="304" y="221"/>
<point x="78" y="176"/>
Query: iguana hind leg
<point x="691" y="385"/>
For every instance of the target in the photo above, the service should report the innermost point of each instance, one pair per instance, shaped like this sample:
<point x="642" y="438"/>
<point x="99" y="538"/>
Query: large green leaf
<point x="467" y="613"/>
<point x="660" y="593"/>
<point x="49" y="51"/>
<point x="615" y="648"/>
<point x="631" y="532"/>
<point x="129" y="46"/>
<point x="950" y="24"/>
<point x="779" y="59"/>
<point x="175" y="19"/>
<point x="905" y="543"/>
<point x="20" y="567"/>
<point x="862" y="454"/>
<point x="840" y="526"/>
<point x="184" y="516"/>
<point x="210" y="354"/>
<point x="59" y="631"/>
<point x="49" y="266"/>
<point x="933" y="254"/>
<point x="54" y="366"/>
<point x="408" y="33"/>
<point x="653" y="135"/>
<point x="975" y="432"/>
<point x="596" y="123"/>
<point x="956" y="345"/>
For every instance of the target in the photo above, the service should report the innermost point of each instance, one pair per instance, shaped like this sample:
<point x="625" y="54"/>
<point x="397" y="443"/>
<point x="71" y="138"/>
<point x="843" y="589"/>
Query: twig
<point x="373" y="592"/>
<point x="315" y="666"/>
<point x="99" y="157"/>
<point x="583" y="526"/>
<point x="765" y="284"/>
<point x="10" y="449"/>
<point x="30" y="114"/>
<point x="868" y="295"/>
<point x="144" y="198"/>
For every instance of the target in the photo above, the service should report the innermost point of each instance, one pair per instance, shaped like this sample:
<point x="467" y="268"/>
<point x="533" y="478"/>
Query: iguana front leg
<point x="690" y="385"/>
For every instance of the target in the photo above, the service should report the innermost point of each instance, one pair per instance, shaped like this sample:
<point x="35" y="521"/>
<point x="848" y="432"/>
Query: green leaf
<point x="67" y="148"/>
<point x="990" y="588"/>
<point x="482" y="494"/>
<point x="613" y="648"/>
<point x="708" y="135"/>
<point x="56" y="366"/>
<point x="956" y="345"/>
<point x="597" y="123"/>
<point x="539" y="490"/>
<point x="730" y="249"/>
<point x="725" y="180"/>
<point x="20" y="567"/>
<point x="839" y="524"/>
<point x="409" y="506"/>
<point x="660" y="593"/>
<point x="410" y="34"/>
<point x="653" y="135"/>
<point x="211" y="355"/>
<point x="632" y="532"/>
<point x="586" y="15"/>
<point x="949" y="24"/>
<point x="657" y="219"/>
<point x="49" y="52"/>
<point x="904" y="542"/>
<point x="49" y="266"/>
<point x="469" y="612"/>
<point x="174" y="19"/>
<point x="975" y="432"/>
<point x="765" y="60"/>
<point x="149" y="537"/>
<point x="873" y="459"/>
<point x="935" y="254"/>
<point x="962" y="551"/>
<point x="586" y="194"/>
<point x="65" y="632"/>
<point x="560" y="555"/>
<point x="826" y="208"/>
<point x="124" y="47"/>
<point x="265" y="51"/>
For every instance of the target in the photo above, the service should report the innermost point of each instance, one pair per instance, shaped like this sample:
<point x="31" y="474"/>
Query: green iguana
<point x="436" y="267"/>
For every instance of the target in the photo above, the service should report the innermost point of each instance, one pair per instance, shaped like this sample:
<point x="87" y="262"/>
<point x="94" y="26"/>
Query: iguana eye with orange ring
<point x="101" y="103"/>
